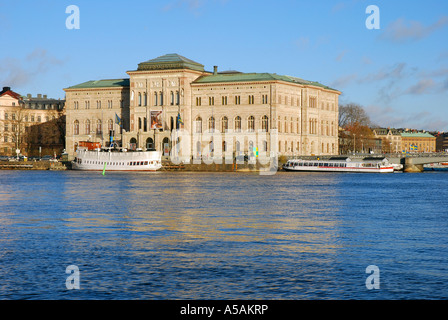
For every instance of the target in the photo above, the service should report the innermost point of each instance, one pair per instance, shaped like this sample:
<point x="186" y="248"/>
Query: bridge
<point x="412" y="162"/>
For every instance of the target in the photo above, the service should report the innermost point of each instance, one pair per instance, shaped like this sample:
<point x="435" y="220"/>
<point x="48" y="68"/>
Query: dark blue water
<point x="223" y="235"/>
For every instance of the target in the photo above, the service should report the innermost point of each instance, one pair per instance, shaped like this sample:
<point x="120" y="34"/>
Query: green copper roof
<point x="416" y="135"/>
<point x="243" y="77"/>
<point x="170" y="61"/>
<point x="108" y="83"/>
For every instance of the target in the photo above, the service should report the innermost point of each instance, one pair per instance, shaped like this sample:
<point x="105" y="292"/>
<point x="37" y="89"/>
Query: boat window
<point x="306" y="164"/>
<point x="325" y="164"/>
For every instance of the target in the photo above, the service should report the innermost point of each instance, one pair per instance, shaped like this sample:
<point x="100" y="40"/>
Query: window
<point x="251" y="124"/>
<point x="39" y="119"/>
<point x="198" y="101"/>
<point x="139" y="99"/>
<point x="98" y="104"/>
<point x="211" y="124"/>
<point x="6" y="116"/>
<point x="172" y="98"/>
<point x="224" y="124"/>
<point x="238" y="124"/>
<point x="211" y="101"/>
<point x="264" y="123"/>
<point x="99" y="127"/>
<point x="198" y="124"/>
<point x="313" y="102"/>
<point x="76" y="127"/>
<point x="6" y="127"/>
<point x="264" y="98"/>
<point x="87" y="126"/>
<point x="155" y="98"/>
<point x="224" y="100"/>
<point x="161" y="99"/>
<point x="251" y="99"/>
<point x="145" y="99"/>
<point x="177" y="98"/>
<point x="237" y="99"/>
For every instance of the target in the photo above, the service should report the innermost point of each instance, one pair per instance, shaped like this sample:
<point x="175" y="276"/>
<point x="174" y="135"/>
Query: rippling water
<point x="223" y="235"/>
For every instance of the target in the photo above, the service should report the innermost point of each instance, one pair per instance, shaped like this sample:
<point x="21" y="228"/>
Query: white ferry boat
<point x="340" y="165"/>
<point x="116" y="159"/>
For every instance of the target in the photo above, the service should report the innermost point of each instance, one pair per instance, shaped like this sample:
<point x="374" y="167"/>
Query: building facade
<point x="391" y="139"/>
<point x="418" y="142"/>
<point x="31" y="125"/>
<point x="172" y="104"/>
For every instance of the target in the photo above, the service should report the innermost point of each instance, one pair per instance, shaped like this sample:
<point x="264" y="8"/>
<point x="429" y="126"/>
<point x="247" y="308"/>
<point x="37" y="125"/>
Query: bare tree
<point x="356" y="134"/>
<point x="351" y="113"/>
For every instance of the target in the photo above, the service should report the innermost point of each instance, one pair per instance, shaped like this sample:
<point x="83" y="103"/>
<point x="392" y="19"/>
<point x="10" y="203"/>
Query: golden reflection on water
<point x="177" y="208"/>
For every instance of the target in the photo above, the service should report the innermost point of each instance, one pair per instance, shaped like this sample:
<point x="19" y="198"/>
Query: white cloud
<point x="401" y="30"/>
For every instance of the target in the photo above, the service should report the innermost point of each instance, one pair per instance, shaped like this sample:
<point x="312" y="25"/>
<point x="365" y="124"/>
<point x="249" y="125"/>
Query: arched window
<point x="251" y="124"/>
<point x="156" y="99"/>
<point x="99" y="127"/>
<point x="198" y="124"/>
<point x="238" y="124"/>
<point x="211" y="124"/>
<point x="76" y="127"/>
<point x="139" y="99"/>
<point x="161" y="98"/>
<point x="177" y="98"/>
<point x="264" y="123"/>
<point x="149" y="144"/>
<point x="224" y="124"/>
<point x="172" y="97"/>
<point x="87" y="126"/>
<point x="139" y="123"/>
<point x="146" y="99"/>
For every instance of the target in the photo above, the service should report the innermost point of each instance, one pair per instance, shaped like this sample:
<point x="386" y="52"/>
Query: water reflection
<point x="211" y="235"/>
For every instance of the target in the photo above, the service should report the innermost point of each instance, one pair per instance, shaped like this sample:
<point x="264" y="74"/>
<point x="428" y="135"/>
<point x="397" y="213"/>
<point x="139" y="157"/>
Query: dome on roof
<point x="170" y="61"/>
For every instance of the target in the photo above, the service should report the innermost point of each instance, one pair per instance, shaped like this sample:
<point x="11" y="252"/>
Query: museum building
<point x="171" y="101"/>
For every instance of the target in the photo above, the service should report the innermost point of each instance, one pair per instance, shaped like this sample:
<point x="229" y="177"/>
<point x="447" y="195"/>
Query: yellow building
<point x="418" y="142"/>
<point x="172" y="104"/>
<point x="30" y="125"/>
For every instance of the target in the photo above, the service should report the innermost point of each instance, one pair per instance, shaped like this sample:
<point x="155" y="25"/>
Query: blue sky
<point x="398" y="73"/>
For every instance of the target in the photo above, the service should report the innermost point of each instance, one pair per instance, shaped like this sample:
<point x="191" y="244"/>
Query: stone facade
<point x="32" y="125"/>
<point x="227" y="113"/>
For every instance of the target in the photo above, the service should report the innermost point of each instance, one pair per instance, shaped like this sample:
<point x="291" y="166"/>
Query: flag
<point x="117" y="120"/>
<point x="179" y="119"/>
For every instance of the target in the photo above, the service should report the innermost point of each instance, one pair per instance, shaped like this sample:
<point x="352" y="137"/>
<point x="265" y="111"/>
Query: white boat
<point x="116" y="159"/>
<point x="340" y="165"/>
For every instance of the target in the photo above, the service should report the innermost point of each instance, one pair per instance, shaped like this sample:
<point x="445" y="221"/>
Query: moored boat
<point x="116" y="159"/>
<point x="443" y="166"/>
<point x="339" y="165"/>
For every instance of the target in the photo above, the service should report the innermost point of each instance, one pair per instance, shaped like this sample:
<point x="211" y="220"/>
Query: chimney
<point x="39" y="96"/>
<point x="215" y="70"/>
<point x="45" y="96"/>
<point x="6" y="89"/>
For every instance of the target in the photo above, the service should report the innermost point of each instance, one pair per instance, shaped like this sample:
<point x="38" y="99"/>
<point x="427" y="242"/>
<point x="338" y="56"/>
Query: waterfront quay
<point x="34" y="165"/>
<point x="410" y="162"/>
